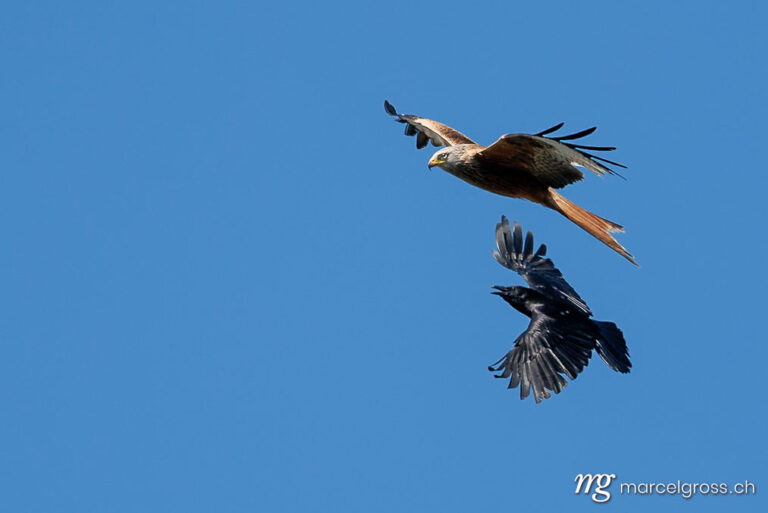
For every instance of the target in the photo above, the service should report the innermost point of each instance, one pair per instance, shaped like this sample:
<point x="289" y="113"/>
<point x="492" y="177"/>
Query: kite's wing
<point x="551" y="161"/>
<point x="427" y="130"/>
<point x="540" y="273"/>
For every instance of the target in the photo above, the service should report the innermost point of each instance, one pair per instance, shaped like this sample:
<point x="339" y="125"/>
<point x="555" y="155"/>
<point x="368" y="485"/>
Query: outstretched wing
<point x="427" y="130"/>
<point x="540" y="273"/>
<point x="544" y="354"/>
<point x="549" y="159"/>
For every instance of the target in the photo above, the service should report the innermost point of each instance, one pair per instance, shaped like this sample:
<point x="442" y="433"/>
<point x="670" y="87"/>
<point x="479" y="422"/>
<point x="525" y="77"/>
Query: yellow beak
<point x="434" y="162"/>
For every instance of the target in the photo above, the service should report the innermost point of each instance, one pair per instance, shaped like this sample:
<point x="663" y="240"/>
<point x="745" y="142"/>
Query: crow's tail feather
<point x="612" y="347"/>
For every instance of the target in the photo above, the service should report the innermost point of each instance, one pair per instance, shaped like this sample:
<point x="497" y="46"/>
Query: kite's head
<point x="440" y="158"/>
<point x="453" y="158"/>
<point x="449" y="158"/>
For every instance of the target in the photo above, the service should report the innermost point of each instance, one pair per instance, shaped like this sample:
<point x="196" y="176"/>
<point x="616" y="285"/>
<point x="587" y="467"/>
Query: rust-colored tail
<point x="597" y="226"/>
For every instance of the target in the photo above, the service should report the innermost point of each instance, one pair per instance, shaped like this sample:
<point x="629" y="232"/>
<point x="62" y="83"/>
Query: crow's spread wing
<point x="544" y="354"/>
<point x="540" y="273"/>
<point x="427" y="130"/>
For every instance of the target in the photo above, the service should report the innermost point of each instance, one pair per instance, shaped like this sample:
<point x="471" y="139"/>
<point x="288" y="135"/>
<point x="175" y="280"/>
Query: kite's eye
<point x="443" y="156"/>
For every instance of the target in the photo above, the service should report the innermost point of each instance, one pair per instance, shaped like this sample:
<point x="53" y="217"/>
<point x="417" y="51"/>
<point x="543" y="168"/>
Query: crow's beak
<point x="499" y="290"/>
<point x="434" y="162"/>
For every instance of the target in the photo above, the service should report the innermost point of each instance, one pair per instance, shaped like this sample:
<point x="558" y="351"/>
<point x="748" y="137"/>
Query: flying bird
<point x="520" y="166"/>
<point x="559" y="340"/>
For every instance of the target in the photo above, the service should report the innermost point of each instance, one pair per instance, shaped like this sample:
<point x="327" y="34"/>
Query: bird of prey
<point x="520" y="166"/>
<point x="561" y="336"/>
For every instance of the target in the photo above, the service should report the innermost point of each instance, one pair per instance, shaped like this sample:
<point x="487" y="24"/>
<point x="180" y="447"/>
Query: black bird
<point x="561" y="336"/>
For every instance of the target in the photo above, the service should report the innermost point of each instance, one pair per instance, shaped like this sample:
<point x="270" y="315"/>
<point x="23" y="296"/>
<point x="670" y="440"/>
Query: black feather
<point x="550" y="130"/>
<point x="577" y="135"/>
<point x="595" y="148"/>
<point x="528" y="251"/>
<point x="518" y="241"/>
<point x="601" y="158"/>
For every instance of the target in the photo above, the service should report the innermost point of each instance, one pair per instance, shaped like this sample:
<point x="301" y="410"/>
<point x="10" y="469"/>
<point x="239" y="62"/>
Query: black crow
<point x="561" y="336"/>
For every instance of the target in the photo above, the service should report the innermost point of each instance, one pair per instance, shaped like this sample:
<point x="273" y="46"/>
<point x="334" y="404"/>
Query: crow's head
<point x="508" y="291"/>
<point x="517" y="297"/>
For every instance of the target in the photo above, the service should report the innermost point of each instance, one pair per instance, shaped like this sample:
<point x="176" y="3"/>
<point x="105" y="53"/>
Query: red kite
<point x="520" y="166"/>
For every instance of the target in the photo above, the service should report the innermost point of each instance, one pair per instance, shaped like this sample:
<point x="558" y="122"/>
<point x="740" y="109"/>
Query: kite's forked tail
<point x="597" y="226"/>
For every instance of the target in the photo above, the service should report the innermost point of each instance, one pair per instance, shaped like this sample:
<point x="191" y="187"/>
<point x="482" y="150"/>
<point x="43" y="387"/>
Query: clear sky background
<point x="229" y="283"/>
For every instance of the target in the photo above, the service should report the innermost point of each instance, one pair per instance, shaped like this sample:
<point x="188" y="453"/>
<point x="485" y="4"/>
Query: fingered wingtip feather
<point x="604" y="160"/>
<point x="577" y="135"/>
<point x="503" y="225"/>
<point x="389" y="108"/>
<point x="550" y="129"/>
<point x="595" y="148"/>
<point x="518" y="239"/>
<point x="528" y="248"/>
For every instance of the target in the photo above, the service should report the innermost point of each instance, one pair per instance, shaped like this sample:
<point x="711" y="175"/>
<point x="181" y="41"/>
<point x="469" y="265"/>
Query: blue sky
<point x="231" y="284"/>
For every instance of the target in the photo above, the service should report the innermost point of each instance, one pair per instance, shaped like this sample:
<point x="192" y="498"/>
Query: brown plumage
<point x="520" y="166"/>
